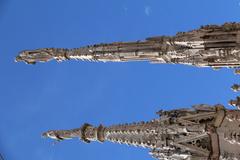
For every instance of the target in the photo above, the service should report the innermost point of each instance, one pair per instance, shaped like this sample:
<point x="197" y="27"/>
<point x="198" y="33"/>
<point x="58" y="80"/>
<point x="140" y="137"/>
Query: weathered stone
<point x="201" y="133"/>
<point x="213" y="46"/>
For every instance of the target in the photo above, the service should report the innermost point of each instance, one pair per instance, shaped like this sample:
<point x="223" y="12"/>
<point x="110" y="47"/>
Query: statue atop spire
<point x="209" y="46"/>
<point x="202" y="132"/>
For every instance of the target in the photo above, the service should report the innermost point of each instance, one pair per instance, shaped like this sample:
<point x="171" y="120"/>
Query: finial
<point x="235" y="102"/>
<point x="235" y="87"/>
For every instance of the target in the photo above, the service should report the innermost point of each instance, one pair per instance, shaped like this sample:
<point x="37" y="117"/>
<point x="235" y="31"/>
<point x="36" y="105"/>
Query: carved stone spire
<point x="203" y="132"/>
<point x="209" y="46"/>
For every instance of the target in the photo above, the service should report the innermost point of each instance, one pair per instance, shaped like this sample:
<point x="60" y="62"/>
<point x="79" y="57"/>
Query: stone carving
<point x="235" y="87"/>
<point x="202" y="132"/>
<point x="235" y="102"/>
<point x="209" y="46"/>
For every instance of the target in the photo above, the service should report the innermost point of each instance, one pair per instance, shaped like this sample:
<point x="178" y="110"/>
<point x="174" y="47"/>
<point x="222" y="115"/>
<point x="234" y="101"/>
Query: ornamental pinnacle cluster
<point x="209" y="46"/>
<point x="202" y="132"/>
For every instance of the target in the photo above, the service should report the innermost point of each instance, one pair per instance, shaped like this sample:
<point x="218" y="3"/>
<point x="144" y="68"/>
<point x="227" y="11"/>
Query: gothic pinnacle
<point x="213" y="46"/>
<point x="235" y="87"/>
<point x="203" y="132"/>
<point x="235" y="102"/>
<point x="237" y="71"/>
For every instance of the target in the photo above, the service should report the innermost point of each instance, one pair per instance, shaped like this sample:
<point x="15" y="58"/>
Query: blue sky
<point x="36" y="98"/>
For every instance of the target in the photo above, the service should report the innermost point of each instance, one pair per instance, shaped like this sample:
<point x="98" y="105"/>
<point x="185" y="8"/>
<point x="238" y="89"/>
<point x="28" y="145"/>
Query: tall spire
<point x="203" y="132"/>
<point x="209" y="46"/>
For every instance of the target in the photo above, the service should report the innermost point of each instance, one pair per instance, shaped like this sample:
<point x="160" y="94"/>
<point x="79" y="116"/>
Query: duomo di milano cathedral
<point x="202" y="132"/>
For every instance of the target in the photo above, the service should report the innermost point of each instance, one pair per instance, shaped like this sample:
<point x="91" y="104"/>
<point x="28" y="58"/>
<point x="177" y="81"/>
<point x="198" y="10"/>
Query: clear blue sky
<point x="36" y="98"/>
